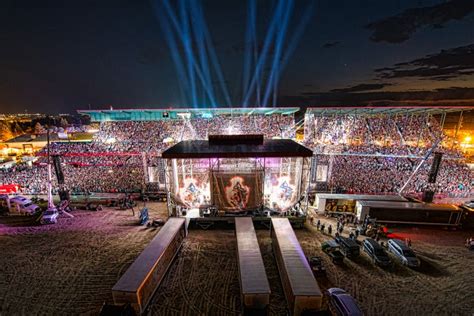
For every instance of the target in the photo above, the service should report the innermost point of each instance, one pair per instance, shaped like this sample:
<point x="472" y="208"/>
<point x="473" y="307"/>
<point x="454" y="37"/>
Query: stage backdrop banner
<point x="231" y="191"/>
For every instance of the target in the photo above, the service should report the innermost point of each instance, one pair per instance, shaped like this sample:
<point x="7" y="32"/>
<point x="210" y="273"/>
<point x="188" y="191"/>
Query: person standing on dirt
<point x="330" y="229"/>
<point x="318" y="224"/>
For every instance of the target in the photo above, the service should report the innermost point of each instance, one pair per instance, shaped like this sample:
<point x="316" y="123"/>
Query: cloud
<point x="442" y="66"/>
<point x="331" y="44"/>
<point x="462" y="96"/>
<point x="363" y="87"/>
<point x="399" y="28"/>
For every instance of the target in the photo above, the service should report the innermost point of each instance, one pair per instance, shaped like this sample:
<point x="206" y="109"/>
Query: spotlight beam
<point x="248" y="45"/>
<point x="280" y="38"/>
<point x="297" y="34"/>
<point x="255" y="52"/>
<point x="180" y="31"/>
<point x="203" y="57"/>
<point x="263" y="55"/>
<point x="210" y="47"/>
<point x="295" y="38"/>
<point x="175" y="54"/>
<point x="186" y="38"/>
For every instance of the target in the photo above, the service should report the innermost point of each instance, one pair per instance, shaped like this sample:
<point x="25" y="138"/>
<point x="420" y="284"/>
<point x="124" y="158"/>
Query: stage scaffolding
<point x="237" y="185"/>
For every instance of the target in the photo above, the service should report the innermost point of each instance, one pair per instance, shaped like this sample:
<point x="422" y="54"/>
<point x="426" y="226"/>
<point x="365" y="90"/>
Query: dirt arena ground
<point x="443" y="285"/>
<point x="204" y="279"/>
<point x="69" y="269"/>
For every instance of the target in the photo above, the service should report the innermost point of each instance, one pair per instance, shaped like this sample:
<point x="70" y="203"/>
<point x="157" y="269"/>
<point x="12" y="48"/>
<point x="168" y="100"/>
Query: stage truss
<point x="238" y="185"/>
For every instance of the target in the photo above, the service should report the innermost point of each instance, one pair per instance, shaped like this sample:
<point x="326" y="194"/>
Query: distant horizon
<point x="441" y="105"/>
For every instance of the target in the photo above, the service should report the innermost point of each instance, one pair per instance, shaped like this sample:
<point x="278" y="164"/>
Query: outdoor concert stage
<point x="237" y="175"/>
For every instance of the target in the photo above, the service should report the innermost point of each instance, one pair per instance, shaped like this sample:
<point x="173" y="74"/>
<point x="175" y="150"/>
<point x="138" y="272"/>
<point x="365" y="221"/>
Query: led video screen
<point x="241" y="191"/>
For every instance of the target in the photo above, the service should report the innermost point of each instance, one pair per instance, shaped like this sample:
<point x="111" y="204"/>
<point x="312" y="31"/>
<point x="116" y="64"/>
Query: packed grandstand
<point x="364" y="153"/>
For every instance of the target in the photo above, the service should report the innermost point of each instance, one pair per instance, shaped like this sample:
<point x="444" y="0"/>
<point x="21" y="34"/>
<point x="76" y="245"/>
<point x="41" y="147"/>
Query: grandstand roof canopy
<point x="30" y="138"/>
<point x="374" y="110"/>
<point x="176" y="113"/>
<point x="196" y="149"/>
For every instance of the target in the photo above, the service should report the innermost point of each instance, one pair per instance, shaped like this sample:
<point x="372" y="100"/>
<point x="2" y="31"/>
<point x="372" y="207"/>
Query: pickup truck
<point x="49" y="217"/>
<point x="23" y="205"/>
<point x="317" y="266"/>
<point x="333" y="250"/>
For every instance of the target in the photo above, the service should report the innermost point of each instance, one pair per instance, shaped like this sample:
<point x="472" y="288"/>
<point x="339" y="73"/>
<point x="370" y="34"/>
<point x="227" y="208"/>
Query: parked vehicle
<point x="403" y="253"/>
<point x="49" y="217"/>
<point x="375" y="251"/>
<point x="19" y="199"/>
<point x="333" y="250"/>
<point x="317" y="266"/>
<point x="470" y="204"/>
<point x="20" y="204"/>
<point x="349" y="247"/>
<point x="343" y="303"/>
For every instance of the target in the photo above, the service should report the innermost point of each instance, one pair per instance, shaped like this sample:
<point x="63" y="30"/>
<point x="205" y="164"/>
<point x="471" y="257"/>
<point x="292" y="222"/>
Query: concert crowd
<point x="364" y="154"/>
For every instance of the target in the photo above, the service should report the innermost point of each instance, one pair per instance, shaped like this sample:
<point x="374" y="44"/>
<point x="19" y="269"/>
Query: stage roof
<point x="177" y="113"/>
<point x="374" y="110"/>
<point x="196" y="149"/>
